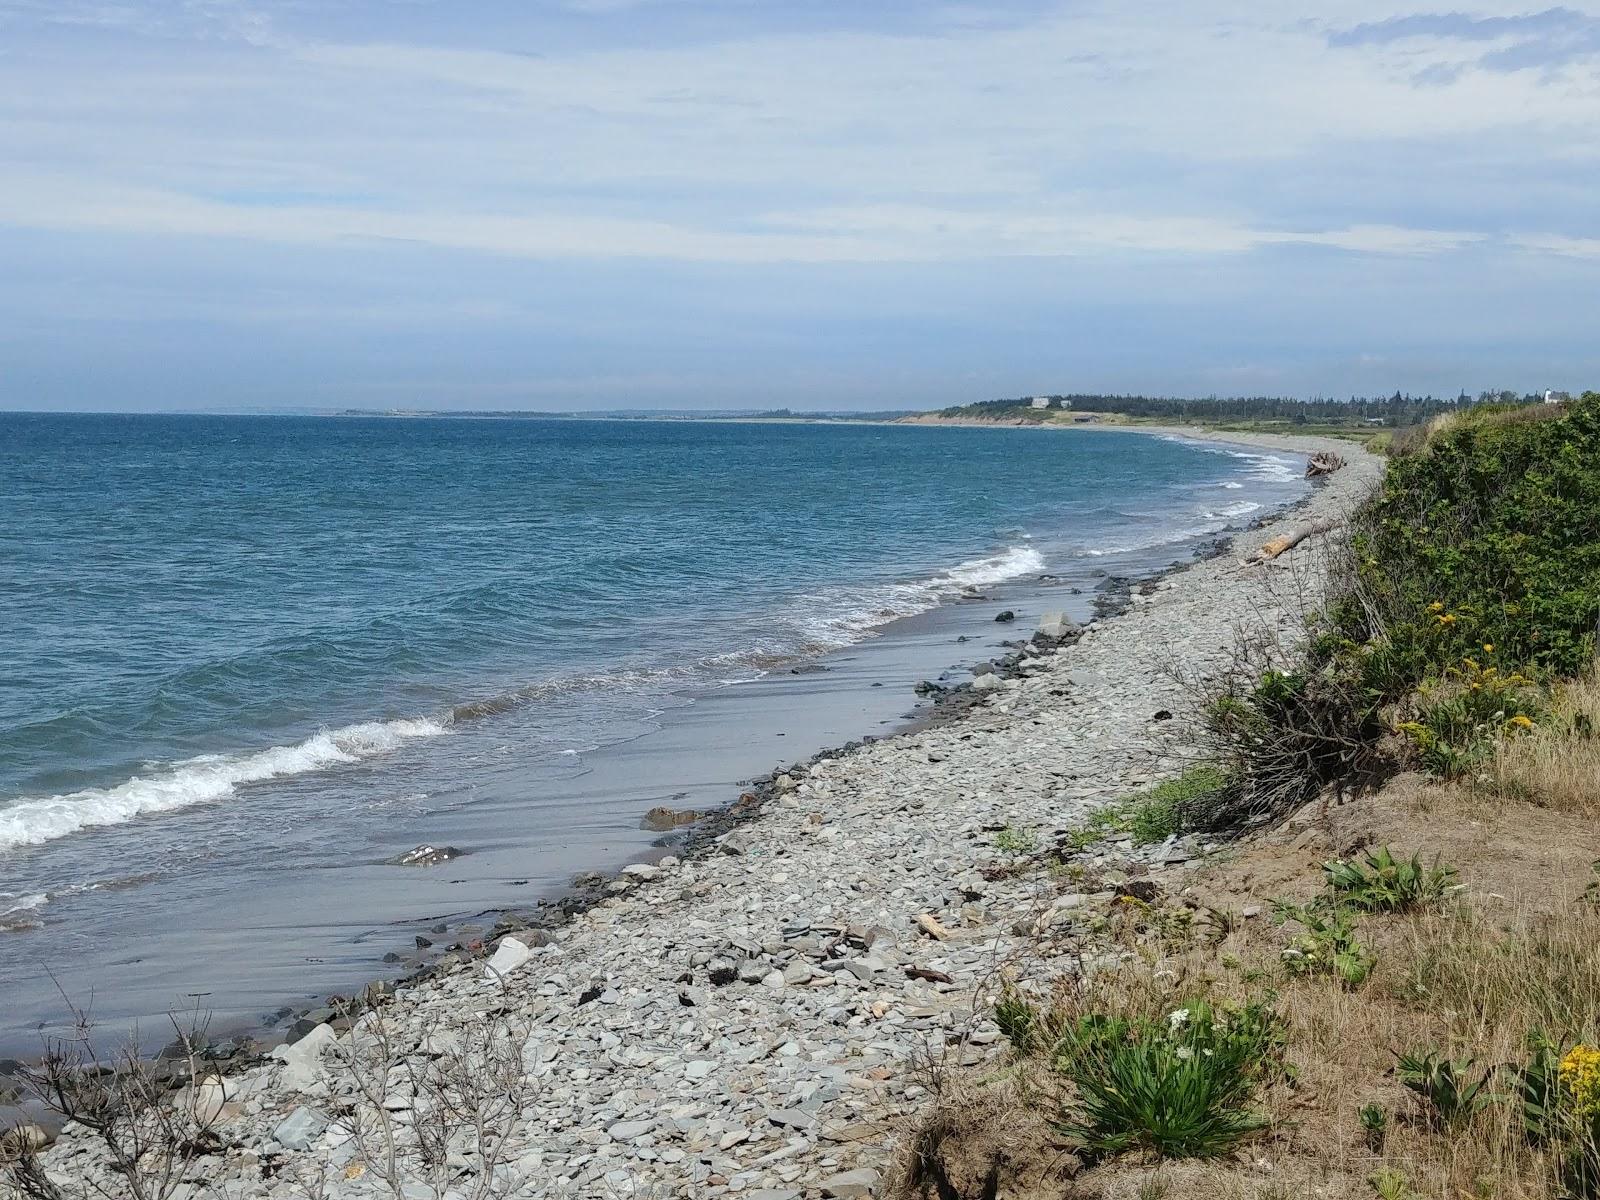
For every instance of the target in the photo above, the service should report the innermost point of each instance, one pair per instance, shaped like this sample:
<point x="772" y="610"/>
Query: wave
<point x="816" y="624"/>
<point x="1268" y="468"/>
<point x="18" y="912"/>
<point x="1239" y="509"/>
<point x="202" y="780"/>
<point x="839" y="617"/>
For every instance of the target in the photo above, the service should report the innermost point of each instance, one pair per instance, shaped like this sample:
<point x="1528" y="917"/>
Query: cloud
<point x="1035" y="148"/>
<point x="1550" y="38"/>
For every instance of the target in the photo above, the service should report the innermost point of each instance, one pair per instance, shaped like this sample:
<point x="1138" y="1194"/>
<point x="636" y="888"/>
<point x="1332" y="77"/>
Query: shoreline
<point x="727" y="936"/>
<point x="356" y="918"/>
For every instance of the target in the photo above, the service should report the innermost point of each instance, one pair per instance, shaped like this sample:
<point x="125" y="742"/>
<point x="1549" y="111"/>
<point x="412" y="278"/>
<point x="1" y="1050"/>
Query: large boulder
<point x="1057" y="625"/>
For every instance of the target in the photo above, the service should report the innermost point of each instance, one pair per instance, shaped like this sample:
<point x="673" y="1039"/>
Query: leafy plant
<point x="1539" y="1089"/>
<point x="1478" y="542"/>
<point x="1389" y="1184"/>
<point x="1181" y="1087"/>
<point x="1578" y="1077"/>
<point x="1461" y="715"/>
<point x="1016" y="1018"/>
<point x="1171" y="807"/>
<point x="1012" y="840"/>
<point x="1374" y="1126"/>
<point x="1378" y="882"/>
<point x="1328" y="946"/>
<point x="1447" y="1085"/>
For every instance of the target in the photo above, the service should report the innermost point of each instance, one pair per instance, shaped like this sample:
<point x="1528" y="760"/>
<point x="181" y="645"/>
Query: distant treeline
<point x="1397" y="410"/>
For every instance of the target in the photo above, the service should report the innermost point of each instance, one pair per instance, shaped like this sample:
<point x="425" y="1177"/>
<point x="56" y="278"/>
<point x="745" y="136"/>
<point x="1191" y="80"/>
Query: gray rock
<point x="850" y="1185"/>
<point x="300" y="1128"/>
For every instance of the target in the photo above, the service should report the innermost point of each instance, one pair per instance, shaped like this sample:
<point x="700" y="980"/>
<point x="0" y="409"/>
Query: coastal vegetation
<point x="1425" y="1000"/>
<point x="1366" y="415"/>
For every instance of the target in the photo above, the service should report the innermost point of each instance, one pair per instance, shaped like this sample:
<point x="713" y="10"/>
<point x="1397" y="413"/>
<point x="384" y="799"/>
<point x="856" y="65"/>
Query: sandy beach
<point x="761" y="1016"/>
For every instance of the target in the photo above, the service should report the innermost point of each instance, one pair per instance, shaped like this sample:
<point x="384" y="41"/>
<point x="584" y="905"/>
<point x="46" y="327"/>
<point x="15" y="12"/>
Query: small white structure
<point x="1556" y="397"/>
<point x="1040" y="402"/>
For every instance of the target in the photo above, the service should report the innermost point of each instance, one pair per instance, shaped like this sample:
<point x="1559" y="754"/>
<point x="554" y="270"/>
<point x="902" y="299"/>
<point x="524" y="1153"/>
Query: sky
<point x="816" y="204"/>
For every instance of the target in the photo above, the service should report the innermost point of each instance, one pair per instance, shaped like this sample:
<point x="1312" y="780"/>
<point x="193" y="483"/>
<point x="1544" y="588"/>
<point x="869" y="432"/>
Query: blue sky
<point x="746" y="203"/>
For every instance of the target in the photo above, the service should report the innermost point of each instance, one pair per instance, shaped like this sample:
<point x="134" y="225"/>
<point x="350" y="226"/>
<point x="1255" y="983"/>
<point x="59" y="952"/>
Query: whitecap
<point x="202" y="780"/>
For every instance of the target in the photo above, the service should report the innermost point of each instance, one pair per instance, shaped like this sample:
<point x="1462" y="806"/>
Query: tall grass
<point x="1557" y="763"/>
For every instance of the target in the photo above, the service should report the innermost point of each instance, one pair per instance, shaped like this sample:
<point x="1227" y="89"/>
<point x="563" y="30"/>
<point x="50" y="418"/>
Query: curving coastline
<point x="751" y="1018"/>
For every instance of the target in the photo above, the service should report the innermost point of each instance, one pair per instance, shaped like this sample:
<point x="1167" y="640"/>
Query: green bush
<point x="1182" y="1086"/>
<point x="1480" y="541"/>
<point x="1487" y="536"/>
<point x="1374" y="1126"/>
<point x="1461" y="717"/>
<point x="1379" y="882"/>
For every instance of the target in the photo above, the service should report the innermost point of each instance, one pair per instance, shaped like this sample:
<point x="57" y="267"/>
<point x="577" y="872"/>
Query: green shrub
<point x="1446" y="1084"/>
<point x="1378" y="882"/>
<point x="1479" y="540"/>
<point x="1182" y="1086"/>
<point x="1461" y="717"/>
<point x="1328" y="946"/>
<point x="1487" y="536"/>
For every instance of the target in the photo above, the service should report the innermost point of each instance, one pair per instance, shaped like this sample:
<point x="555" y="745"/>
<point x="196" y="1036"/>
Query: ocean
<point x="245" y="660"/>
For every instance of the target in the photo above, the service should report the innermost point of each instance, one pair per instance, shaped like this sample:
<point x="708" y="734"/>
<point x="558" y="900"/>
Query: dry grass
<point x="1518" y="950"/>
<point x="1557" y="764"/>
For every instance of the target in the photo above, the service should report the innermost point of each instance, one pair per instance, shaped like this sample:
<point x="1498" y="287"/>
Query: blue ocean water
<point x="263" y="632"/>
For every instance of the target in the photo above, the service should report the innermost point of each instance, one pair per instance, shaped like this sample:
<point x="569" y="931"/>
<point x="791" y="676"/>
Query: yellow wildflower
<point x="1519" y="722"/>
<point x="1579" y="1073"/>
<point x="1488" y="647"/>
<point x="1446" y="618"/>
<point x="1436" y="606"/>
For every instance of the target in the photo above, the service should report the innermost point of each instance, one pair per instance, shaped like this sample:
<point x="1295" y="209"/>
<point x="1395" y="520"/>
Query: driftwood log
<point x="1288" y="541"/>
<point x="1323" y="462"/>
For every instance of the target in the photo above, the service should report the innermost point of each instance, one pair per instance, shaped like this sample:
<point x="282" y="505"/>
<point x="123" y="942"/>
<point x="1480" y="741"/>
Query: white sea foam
<point x="840" y="617"/>
<point x="1233" y="485"/>
<point x="20" y="912"/>
<point x="1008" y="564"/>
<point x="1267" y="467"/>
<point x="11" y="903"/>
<point x="202" y="780"/>
<point x="1237" y="509"/>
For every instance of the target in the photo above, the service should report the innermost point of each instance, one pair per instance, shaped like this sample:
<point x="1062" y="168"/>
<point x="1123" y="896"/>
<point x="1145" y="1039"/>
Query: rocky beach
<point x="765" y="1015"/>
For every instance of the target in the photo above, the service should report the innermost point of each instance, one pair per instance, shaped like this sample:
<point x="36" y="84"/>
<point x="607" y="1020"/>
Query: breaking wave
<point x="203" y="780"/>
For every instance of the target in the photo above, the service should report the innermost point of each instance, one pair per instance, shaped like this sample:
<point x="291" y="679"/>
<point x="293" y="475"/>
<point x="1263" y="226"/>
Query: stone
<point x="988" y="683"/>
<point x="303" y="1059"/>
<point x="627" y="1131"/>
<point x="851" y="1185"/>
<point x="300" y="1129"/>
<point x="662" y="819"/>
<point x="1057" y="625"/>
<point x="1005" y="617"/>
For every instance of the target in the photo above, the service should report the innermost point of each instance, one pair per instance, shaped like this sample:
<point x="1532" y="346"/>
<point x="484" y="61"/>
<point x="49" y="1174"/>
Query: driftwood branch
<point x="1324" y="462"/>
<point x="1288" y="541"/>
